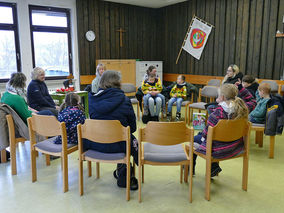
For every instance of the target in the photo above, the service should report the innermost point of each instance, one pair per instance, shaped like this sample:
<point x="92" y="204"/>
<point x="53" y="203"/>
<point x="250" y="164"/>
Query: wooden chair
<point x="99" y="131"/>
<point x="49" y="126"/>
<point x="209" y="92"/>
<point x="165" y="146"/>
<point x="130" y="91"/>
<point x="223" y="132"/>
<point x="13" y="140"/>
<point x="259" y="132"/>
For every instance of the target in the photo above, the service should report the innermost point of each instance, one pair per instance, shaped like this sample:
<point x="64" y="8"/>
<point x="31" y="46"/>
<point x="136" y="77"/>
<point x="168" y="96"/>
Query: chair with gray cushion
<point x="49" y="127"/>
<point x="274" y="86"/>
<point x="209" y="92"/>
<point x="130" y="91"/>
<point x="166" y="143"/>
<point x="104" y="132"/>
<point x="214" y="82"/>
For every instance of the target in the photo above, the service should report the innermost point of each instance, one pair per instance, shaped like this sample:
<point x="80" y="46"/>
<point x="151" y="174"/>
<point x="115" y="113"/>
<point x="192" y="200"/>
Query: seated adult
<point x="38" y="95"/>
<point x="110" y="103"/>
<point x="233" y="75"/>
<point x="15" y="97"/>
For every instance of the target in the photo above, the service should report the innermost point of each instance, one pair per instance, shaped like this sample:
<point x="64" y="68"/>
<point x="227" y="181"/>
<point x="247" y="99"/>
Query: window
<point x="51" y="40"/>
<point x="9" y="41"/>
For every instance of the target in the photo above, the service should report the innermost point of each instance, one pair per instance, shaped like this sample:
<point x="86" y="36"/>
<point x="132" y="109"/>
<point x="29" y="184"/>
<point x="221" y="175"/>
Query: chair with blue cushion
<point x="130" y="91"/>
<point x="49" y="127"/>
<point x="103" y="131"/>
<point x="164" y="143"/>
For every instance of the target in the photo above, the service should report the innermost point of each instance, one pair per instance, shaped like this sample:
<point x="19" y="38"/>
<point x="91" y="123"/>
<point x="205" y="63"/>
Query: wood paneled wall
<point x="104" y="18"/>
<point x="244" y="34"/>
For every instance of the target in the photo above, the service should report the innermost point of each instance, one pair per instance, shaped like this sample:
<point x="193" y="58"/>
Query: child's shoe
<point x="178" y="116"/>
<point x="169" y="116"/>
<point x="146" y="111"/>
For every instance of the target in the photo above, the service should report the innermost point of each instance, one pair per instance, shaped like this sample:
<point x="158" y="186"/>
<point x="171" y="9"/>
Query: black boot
<point x="169" y="116"/>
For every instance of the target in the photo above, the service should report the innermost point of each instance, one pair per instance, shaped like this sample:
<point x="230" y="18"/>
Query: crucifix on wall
<point x="120" y="36"/>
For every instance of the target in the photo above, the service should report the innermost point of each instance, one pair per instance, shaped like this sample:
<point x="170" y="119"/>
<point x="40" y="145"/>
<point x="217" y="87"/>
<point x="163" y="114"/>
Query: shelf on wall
<point x="279" y="35"/>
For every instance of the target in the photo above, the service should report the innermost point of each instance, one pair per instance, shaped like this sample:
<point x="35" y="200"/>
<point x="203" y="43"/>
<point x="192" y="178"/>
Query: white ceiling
<point x="148" y="3"/>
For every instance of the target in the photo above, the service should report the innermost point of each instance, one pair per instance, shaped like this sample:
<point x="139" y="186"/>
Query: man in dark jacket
<point x="37" y="93"/>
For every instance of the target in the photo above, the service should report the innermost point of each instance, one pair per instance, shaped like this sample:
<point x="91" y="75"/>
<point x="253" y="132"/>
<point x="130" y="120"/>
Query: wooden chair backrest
<point x="166" y="133"/>
<point x="104" y="131"/>
<point x="229" y="130"/>
<point x="46" y="125"/>
<point x="11" y="126"/>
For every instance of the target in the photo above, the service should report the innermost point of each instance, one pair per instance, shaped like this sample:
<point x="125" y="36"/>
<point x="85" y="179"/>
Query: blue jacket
<point x="111" y="104"/>
<point x="38" y="95"/>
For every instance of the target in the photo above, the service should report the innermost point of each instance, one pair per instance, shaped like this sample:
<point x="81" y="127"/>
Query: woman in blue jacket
<point x="37" y="93"/>
<point x="110" y="103"/>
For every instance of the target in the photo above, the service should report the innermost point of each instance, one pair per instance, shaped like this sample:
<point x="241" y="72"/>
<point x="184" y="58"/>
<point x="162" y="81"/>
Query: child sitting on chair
<point x="178" y="94"/>
<point x="151" y="88"/>
<point x="262" y="97"/>
<point x="71" y="112"/>
<point x="250" y="84"/>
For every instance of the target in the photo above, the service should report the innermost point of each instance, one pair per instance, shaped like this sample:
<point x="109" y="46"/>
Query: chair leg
<point x="81" y="188"/>
<point x="65" y="173"/>
<point x="33" y="165"/>
<point x="245" y="173"/>
<point x="190" y="180"/>
<point x="207" y="180"/>
<point x="185" y="114"/>
<point x="185" y="178"/>
<point x="271" y="147"/>
<point x="256" y="137"/>
<point x="128" y="181"/>
<point x="142" y="173"/>
<point x="89" y="168"/>
<point x="138" y="112"/>
<point x="47" y="160"/>
<point x="3" y="156"/>
<point x="139" y="181"/>
<point x="260" y="139"/>
<point x="98" y="170"/>
<point x="13" y="158"/>
<point x="181" y="173"/>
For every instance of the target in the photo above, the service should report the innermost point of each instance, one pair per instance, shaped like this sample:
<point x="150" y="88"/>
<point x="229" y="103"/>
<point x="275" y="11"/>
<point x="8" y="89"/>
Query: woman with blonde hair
<point x="96" y="82"/>
<point x="233" y="75"/>
<point x="230" y="106"/>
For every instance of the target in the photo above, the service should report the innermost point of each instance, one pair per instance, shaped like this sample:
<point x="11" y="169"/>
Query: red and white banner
<point x="197" y="38"/>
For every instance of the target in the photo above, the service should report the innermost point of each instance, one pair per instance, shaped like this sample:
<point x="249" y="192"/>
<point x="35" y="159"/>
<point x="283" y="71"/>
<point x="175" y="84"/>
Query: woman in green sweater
<point x="15" y="97"/>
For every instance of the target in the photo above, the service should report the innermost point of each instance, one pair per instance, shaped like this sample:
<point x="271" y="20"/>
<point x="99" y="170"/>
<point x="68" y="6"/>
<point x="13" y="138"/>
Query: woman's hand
<point x="33" y="110"/>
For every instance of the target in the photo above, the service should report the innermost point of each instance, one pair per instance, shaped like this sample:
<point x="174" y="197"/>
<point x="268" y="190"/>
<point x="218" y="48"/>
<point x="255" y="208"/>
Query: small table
<point x="83" y="94"/>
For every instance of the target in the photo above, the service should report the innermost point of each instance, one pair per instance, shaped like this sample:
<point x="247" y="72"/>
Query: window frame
<point x="52" y="29"/>
<point x="13" y="27"/>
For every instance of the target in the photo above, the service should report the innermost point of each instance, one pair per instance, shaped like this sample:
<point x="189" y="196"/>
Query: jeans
<point x="172" y="101"/>
<point x="151" y="101"/>
<point x="147" y="96"/>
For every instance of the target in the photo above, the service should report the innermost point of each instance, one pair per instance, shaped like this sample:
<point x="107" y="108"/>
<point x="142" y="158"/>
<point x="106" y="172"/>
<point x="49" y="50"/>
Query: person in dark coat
<point x="37" y="93"/>
<point x="110" y="103"/>
<point x="233" y="75"/>
<point x="250" y="84"/>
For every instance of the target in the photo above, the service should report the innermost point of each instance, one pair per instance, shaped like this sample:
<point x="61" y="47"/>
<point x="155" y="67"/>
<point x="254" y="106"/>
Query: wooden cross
<point x="120" y="35"/>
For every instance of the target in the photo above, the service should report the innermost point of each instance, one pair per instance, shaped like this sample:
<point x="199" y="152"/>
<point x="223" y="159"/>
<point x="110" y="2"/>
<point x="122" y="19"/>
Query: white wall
<point x="25" y="38"/>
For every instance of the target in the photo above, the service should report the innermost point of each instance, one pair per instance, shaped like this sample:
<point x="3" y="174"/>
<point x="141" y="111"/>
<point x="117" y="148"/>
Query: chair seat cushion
<point x="48" y="145"/>
<point x="104" y="156"/>
<point x="184" y="103"/>
<point x="198" y="105"/>
<point x="164" y="154"/>
<point x="134" y="101"/>
<point x="257" y="125"/>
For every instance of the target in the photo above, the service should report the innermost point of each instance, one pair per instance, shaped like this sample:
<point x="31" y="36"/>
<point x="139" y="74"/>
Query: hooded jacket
<point x="253" y="88"/>
<point x="112" y="104"/>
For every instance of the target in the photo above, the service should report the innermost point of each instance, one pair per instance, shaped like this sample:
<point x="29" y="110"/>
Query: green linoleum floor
<point x="161" y="191"/>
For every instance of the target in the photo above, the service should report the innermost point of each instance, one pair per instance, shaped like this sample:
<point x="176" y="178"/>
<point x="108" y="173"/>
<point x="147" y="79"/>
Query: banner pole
<point x="185" y="39"/>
